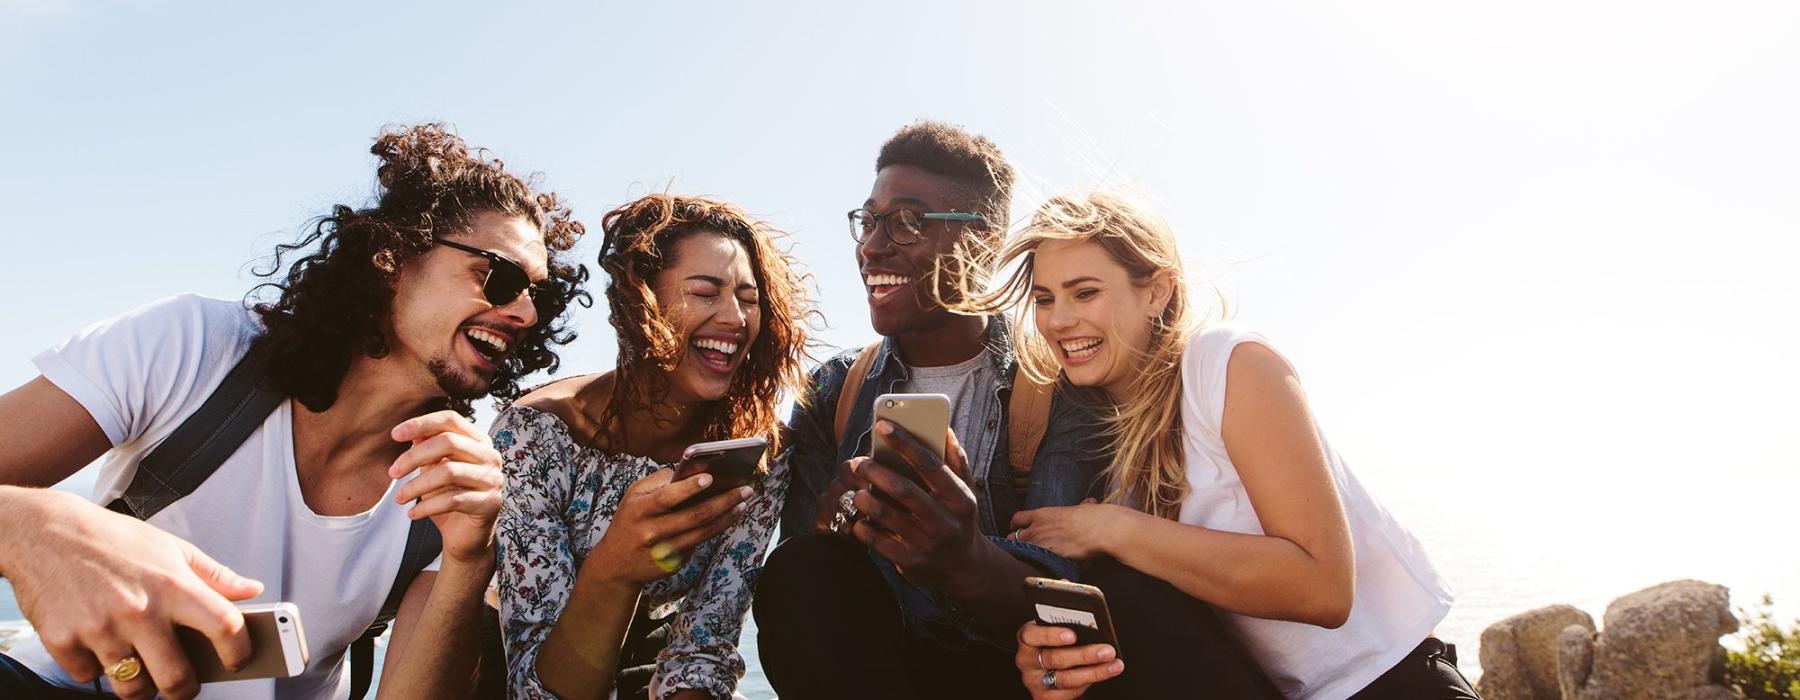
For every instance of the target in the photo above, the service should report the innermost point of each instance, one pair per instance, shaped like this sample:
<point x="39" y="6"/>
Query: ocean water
<point x="1505" y="555"/>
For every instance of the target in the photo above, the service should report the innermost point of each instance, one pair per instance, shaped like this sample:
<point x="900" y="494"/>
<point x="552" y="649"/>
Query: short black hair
<point x="969" y="160"/>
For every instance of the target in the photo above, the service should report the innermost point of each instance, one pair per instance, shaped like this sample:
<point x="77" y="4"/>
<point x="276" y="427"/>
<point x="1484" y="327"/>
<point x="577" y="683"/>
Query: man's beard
<point x="458" y="385"/>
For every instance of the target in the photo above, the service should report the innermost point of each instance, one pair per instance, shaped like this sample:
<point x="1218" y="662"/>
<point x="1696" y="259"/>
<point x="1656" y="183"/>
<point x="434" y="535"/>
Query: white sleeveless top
<point x="1400" y="597"/>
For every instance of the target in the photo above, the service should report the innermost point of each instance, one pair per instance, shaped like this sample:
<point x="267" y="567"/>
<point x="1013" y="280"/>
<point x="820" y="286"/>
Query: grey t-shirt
<point x="974" y="411"/>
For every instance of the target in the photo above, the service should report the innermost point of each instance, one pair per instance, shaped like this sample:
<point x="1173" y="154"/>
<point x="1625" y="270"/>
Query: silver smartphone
<point x="277" y="646"/>
<point x="926" y="416"/>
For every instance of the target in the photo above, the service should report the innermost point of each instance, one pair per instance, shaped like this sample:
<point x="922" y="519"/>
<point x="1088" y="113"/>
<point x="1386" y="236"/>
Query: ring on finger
<point x="665" y="557"/>
<point x="847" y="505"/>
<point x="1050" y="679"/>
<point x="123" y="670"/>
<point x="1041" y="660"/>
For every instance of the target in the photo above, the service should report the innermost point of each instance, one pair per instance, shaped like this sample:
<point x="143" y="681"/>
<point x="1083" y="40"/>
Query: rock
<point x="1518" y="654"/>
<point x="1660" y="643"/>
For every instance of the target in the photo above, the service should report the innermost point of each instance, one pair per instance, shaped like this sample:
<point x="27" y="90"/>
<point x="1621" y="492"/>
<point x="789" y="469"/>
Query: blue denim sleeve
<point x="812" y="456"/>
<point x="1073" y="456"/>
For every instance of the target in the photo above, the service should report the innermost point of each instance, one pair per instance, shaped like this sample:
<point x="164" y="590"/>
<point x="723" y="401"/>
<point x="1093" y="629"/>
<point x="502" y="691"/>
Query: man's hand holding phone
<point x="103" y="588"/>
<point x="920" y="513"/>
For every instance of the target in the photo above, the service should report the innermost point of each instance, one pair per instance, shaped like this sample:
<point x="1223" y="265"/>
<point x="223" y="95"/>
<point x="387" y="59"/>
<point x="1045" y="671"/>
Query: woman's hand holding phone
<point x="653" y="532"/>
<point x="1046" y="648"/>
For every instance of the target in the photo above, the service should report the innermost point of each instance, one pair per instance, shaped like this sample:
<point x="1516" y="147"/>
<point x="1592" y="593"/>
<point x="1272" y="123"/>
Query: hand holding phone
<point x="277" y="646"/>
<point x="1077" y="607"/>
<point x="925" y="416"/>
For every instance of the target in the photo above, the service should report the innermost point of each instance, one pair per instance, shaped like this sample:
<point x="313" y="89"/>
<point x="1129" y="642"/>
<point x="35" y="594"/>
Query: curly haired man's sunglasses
<point x="506" y="280"/>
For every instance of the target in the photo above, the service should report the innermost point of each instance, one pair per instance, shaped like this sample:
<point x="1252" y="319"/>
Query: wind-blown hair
<point x="1147" y="470"/>
<point x="333" y="302"/>
<point x="640" y="242"/>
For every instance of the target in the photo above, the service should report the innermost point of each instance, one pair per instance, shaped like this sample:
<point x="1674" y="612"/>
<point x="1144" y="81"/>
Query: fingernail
<point x="1117" y="667"/>
<point x="1106" y="653"/>
<point x="705" y="480"/>
<point x="1066" y="637"/>
<point x="740" y="508"/>
<point x="746" y="492"/>
<point x="399" y="432"/>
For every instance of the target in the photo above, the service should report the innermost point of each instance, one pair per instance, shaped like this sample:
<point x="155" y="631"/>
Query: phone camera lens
<point x="282" y="620"/>
<point x="890" y="403"/>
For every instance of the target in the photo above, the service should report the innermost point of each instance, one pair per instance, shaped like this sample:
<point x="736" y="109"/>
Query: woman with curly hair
<point x="1221" y="487"/>
<point x="596" y="538"/>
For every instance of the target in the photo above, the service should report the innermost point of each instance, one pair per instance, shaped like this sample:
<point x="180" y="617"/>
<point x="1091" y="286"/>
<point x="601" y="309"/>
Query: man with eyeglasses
<point x="321" y="451"/>
<point x="866" y="597"/>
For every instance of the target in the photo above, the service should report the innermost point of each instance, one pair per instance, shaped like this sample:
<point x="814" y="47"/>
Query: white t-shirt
<point x="139" y="375"/>
<point x="1400" y="597"/>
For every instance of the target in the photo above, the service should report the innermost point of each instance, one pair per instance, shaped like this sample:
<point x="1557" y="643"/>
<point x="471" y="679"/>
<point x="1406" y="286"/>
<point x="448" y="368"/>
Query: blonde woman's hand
<point x="1079" y="532"/>
<point x="1048" y="654"/>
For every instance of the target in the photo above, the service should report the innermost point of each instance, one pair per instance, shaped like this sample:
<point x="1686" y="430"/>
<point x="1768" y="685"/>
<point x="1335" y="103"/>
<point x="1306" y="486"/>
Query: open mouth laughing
<point x="1076" y="351"/>
<point x="489" y="345"/>
<point x="716" y="353"/>
<point x="883" y="285"/>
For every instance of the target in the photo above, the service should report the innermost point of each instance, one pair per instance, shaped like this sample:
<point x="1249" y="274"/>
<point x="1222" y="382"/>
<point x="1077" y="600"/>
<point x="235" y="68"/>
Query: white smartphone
<point x="277" y="646"/>
<point x="926" y="416"/>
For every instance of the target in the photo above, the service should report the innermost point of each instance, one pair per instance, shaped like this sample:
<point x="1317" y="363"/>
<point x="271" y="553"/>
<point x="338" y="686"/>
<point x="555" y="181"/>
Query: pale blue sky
<point x="1533" y="259"/>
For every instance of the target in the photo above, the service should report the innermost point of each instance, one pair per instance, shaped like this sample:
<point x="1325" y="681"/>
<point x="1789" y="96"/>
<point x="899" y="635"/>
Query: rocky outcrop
<point x="1660" y="643"/>
<point x="1518" y="654"/>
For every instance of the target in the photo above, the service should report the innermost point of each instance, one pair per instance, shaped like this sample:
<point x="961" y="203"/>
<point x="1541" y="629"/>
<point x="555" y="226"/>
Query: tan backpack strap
<point x="859" y="370"/>
<point x="1027" y="418"/>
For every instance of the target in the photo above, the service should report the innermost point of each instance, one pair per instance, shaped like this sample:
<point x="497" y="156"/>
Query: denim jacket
<point x="1065" y="470"/>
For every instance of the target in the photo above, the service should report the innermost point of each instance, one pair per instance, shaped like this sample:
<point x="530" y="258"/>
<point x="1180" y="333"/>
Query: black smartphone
<point x="1076" y="606"/>
<point x="732" y="463"/>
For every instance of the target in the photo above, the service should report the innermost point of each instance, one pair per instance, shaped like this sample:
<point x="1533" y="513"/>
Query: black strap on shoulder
<point x="202" y="442"/>
<point x="208" y="437"/>
<point x="423" y="543"/>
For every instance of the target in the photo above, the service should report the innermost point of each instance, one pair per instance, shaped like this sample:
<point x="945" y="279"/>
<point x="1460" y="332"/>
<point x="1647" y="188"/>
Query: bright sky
<point x="1533" y="259"/>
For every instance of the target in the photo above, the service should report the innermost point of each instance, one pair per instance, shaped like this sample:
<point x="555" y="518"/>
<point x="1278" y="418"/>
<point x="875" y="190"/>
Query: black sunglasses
<point x="506" y="280"/>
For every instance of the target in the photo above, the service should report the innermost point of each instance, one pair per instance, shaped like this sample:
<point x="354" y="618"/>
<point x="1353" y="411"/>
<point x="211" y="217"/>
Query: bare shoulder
<point x="572" y="400"/>
<point x="1253" y="363"/>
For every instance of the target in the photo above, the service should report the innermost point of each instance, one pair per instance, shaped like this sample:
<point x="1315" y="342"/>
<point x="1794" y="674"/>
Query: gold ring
<point x="665" y="557"/>
<point x="125" y="669"/>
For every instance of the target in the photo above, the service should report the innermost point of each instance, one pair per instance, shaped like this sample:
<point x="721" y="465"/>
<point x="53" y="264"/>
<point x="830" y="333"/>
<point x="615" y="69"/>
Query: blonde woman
<point x="1220" y="484"/>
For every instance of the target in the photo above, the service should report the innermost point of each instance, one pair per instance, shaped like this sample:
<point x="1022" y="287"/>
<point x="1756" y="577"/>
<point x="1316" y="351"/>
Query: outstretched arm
<point x="99" y="586"/>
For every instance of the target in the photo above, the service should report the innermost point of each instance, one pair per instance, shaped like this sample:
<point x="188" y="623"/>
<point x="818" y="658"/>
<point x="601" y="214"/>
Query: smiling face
<point x="711" y="299"/>
<point x="1094" y="316"/>
<point x="442" y="321"/>
<point x="892" y="274"/>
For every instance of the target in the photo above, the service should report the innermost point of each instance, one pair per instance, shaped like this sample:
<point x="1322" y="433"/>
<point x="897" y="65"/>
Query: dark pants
<point x="1428" y="673"/>
<point x="1174" y="646"/>
<point x="828" y="627"/>
<point x="17" y="681"/>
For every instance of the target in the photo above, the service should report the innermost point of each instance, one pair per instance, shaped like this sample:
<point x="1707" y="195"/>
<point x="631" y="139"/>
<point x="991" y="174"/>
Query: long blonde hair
<point x="1147" y="470"/>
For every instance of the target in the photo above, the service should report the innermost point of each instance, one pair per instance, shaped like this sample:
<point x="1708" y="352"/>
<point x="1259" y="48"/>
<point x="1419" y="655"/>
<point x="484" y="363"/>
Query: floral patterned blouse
<point x="559" y="501"/>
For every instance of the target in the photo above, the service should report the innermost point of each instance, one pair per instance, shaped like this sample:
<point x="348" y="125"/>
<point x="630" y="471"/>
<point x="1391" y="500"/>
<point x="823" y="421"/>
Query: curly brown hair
<point x="640" y="242"/>
<point x="331" y="303"/>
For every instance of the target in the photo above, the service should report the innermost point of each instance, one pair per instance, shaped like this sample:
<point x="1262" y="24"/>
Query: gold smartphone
<point x="277" y="646"/>
<point x="926" y="416"/>
<point x="1077" y="606"/>
<point x="731" y="462"/>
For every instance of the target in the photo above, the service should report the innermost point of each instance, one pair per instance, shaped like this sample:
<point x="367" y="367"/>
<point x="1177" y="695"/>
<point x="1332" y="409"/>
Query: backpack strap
<point x="423" y="543"/>
<point x="1027" y="418"/>
<point x="203" y="441"/>
<point x="859" y="371"/>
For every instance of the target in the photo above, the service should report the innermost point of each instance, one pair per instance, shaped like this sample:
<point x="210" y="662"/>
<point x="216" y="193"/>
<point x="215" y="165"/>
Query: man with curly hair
<point x="356" y="455"/>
